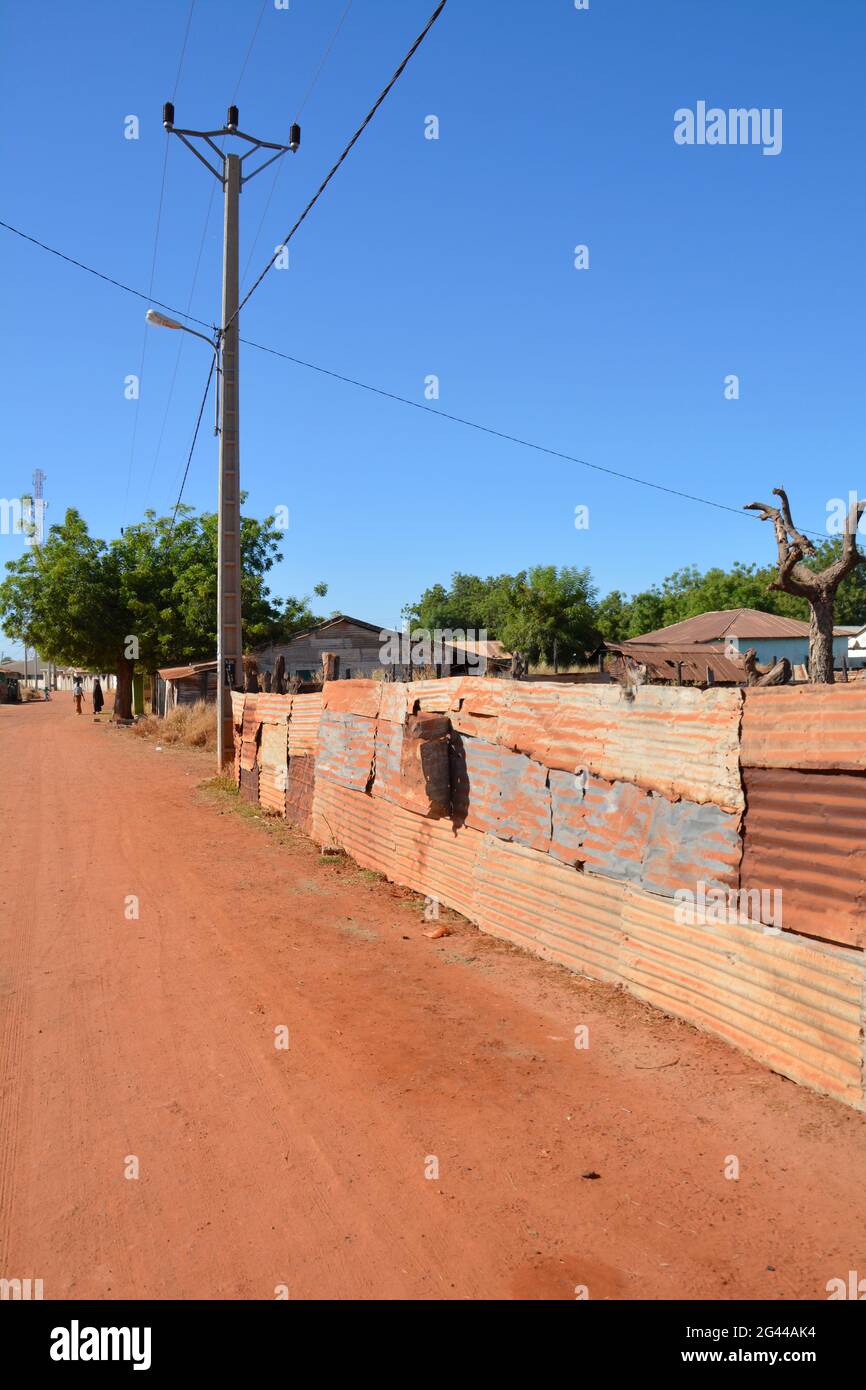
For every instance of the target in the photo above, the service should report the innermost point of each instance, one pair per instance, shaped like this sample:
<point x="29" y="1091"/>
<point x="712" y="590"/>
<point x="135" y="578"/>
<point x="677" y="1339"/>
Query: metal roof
<point x="176" y="673"/>
<point x="695" y="659"/>
<point x="727" y="622"/>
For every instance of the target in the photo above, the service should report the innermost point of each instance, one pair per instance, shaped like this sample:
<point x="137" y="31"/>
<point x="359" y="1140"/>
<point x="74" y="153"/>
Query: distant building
<point x="365" y="649"/>
<point x="738" y="629"/>
<point x="856" y="646"/>
<point x="184" y="685"/>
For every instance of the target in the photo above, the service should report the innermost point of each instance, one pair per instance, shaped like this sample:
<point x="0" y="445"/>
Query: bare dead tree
<point x="817" y="587"/>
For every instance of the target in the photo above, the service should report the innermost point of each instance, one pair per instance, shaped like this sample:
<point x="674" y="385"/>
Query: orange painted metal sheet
<point x="806" y="726"/>
<point x="531" y="900"/>
<point x="252" y="722"/>
<point x="392" y="701"/>
<point x="357" y="823"/>
<point x="682" y="743"/>
<point x="805" y="837"/>
<point x="497" y="791"/>
<point x="274" y="709"/>
<point x="352" y="697"/>
<point x="304" y="723"/>
<point x="435" y="858"/>
<point x="795" y="1006"/>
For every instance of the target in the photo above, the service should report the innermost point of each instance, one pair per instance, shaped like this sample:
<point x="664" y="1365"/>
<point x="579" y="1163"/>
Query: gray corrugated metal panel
<point x="360" y="697"/>
<point x="436" y="858"/>
<point x="273" y="767"/>
<point x="345" y="749"/>
<point x="805" y="837"/>
<point x="499" y="791"/>
<point x="689" y="844"/>
<point x="571" y="796"/>
<point x="531" y="900"/>
<point x="304" y="723"/>
<point x="812" y="727"/>
<point x="796" y="1006"/>
<point x="359" y="824"/>
<point x="617" y="827"/>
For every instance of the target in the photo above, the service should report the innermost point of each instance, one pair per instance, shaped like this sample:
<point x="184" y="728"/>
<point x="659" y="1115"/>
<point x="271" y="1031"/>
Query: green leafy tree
<point x="142" y="601"/>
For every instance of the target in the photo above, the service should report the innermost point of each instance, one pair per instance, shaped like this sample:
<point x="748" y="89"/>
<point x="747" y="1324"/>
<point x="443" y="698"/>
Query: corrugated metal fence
<point x="683" y="844"/>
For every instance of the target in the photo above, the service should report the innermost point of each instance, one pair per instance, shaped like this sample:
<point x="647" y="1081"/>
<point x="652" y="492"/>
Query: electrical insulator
<point x="294" y="136"/>
<point x="232" y="121"/>
<point x="168" y="115"/>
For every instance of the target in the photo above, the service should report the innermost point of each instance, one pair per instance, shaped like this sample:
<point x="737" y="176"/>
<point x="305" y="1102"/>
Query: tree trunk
<point x="154" y="693"/>
<point x="821" y="639"/>
<point x="123" y="694"/>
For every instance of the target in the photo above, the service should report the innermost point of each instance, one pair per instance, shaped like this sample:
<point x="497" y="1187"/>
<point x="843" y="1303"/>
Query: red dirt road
<point x="305" y="1167"/>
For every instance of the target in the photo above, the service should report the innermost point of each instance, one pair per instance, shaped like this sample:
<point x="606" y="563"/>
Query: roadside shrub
<point x="193" y="726"/>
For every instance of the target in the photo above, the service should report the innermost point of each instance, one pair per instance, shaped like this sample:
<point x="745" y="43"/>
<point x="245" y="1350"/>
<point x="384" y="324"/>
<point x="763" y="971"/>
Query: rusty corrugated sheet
<point x="237" y="707"/>
<point x="388" y="747"/>
<point x="689" y="844"/>
<point x="304" y="723"/>
<point x="352" y="697"/>
<point x="805" y="836"/>
<point x="806" y="726"/>
<point x="795" y="1006"/>
<point x="499" y="791"/>
<point x="274" y="709"/>
<point x="358" y="823"/>
<point x="252" y="722"/>
<point x="249" y="783"/>
<point x="345" y="749"/>
<point x="273" y="766"/>
<point x="529" y="899"/>
<point x="425" y="773"/>
<point x="392" y="701"/>
<point x="300" y="791"/>
<point x="680" y="742"/>
<point x="435" y="857"/>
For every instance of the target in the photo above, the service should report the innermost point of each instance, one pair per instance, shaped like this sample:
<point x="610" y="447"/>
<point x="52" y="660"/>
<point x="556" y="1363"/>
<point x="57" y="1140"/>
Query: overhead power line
<point x="298" y="113"/>
<point x="109" y="279"/>
<point x="406" y="400"/>
<point x="194" y="438"/>
<point x="153" y="267"/>
<point x="334" y="167"/>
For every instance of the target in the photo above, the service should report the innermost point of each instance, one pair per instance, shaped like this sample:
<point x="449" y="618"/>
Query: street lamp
<point x="158" y="320"/>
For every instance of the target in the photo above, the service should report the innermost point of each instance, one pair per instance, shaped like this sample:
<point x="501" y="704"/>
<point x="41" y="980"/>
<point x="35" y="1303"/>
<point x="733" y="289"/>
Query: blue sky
<point x="451" y="257"/>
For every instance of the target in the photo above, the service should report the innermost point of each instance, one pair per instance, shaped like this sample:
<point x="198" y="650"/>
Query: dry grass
<point x="193" y="726"/>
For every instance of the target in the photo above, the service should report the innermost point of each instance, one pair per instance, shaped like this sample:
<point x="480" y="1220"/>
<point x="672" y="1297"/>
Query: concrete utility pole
<point x="231" y="174"/>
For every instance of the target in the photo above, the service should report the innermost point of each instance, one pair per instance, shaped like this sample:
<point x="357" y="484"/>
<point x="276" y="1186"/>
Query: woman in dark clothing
<point x="98" y="701"/>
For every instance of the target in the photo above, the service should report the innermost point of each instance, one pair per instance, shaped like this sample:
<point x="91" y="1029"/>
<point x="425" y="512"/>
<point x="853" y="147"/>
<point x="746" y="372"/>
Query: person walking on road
<point x="77" y="693"/>
<point x="98" y="700"/>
